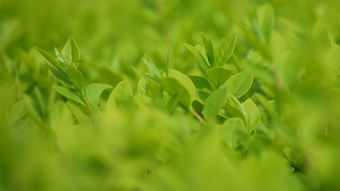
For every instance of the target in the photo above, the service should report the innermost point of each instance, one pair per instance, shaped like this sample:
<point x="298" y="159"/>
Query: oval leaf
<point x="177" y="82"/>
<point x="252" y="114"/>
<point x="122" y="92"/>
<point x="240" y="83"/>
<point x="233" y="132"/>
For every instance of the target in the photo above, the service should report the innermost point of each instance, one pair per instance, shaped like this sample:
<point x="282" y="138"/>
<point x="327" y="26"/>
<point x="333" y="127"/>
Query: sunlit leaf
<point x="218" y="75"/>
<point x="215" y="102"/>
<point x="240" y="83"/>
<point x="252" y="114"/>
<point x="69" y="94"/>
<point x="93" y="92"/>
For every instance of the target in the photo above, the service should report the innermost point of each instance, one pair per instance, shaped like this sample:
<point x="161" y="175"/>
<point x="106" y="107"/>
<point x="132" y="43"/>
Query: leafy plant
<point x="242" y="97"/>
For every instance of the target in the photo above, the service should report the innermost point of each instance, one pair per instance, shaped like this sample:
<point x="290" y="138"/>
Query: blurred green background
<point x="290" y="46"/>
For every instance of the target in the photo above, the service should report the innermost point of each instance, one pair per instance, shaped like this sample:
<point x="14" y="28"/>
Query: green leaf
<point x="177" y="82"/>
<point x="252" y="114"/>
<point x="266" y="19"/>
<point x="61" y="76"/>
<point x="76" y="76"/>
<point x="269" y="106"/>
<point x="233" y="132"/>
<point x="200" y="82"/>
<point x="240" y="83"/>
<point x="218" y="75"/>
<point x="121" y="93"/>
<point x="50" y="59"/>
<point x="209" y="50"/>
<point x="172" y="103"/>
<point x="69" y="95"/>
<point x="295" y="157"/>
<point x="214" y="103"/>
<point x="61" y="58"/>
<point x="234" y="106"/>
<point x="226" y="50"/>
<point x="152" y="67"/>
<point x="17" y="110"/>
<point x="93" y="92"/>
<point x="71" y="51"/>
<point x="200" y="56"/>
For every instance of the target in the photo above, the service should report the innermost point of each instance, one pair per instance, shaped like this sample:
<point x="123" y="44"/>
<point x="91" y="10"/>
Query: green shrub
<point x="169" y="95"/>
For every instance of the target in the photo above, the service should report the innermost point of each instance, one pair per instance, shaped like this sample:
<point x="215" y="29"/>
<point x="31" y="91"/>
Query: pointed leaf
<point x="51" y="60"/>
<point x="240" y="83"/>
<point x="152" y="67"/>
<point x="69" y="95"/>
<point x="214" y="103"/>
<point x="209" y="50"/>
<point x="122" y="92"/>
<point x="93" y="92"/>
<point x="71" y="51"/>
<point x="252" y="114"/>
<point x="198" y="52"/>
<point x="218" y="75"/>
<point x="227" y="50"/>
<point x="234" y="106"/>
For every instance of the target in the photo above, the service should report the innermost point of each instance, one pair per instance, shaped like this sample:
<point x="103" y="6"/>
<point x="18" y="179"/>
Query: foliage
<point x="169" y="95"/>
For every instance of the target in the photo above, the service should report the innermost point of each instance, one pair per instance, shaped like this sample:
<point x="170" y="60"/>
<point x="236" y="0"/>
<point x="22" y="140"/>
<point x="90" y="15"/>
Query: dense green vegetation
<point x="173" y="95"/>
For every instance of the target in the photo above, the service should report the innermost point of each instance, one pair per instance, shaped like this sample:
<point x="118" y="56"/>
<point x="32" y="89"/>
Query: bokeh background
<point x="46" y="145"/>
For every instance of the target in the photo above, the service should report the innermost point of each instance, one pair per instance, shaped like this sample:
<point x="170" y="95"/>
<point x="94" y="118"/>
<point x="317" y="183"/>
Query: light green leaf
<point x="226" y="50"/>
<point x="177" y="82"/>
<point x="152" y="67"/>
<point x="295" y="157"/>
<point x="269" y="106"/>
<point x="214" y="102"/>
<point x="218" y="75"/>
<point x="234" y="106"/>
<point x="240" y="83"/>
<point x="209" y="50"/>
<point x="233" y="132"/>
<point x="93" y="92"/>
<point x="16" y="111"/>
<point x="252" y="114"/>
<point x="69" y="95"/>
<point x="50" y="59"/>
<point x="76" y="77"/>
<point x="265" y="16"/>
<point x="122" y="92"/>
<point x="199" y="54"/>
<point x="61" y="58"/>
<point x="172" y="103"/>
<point x="71" y="51"/>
